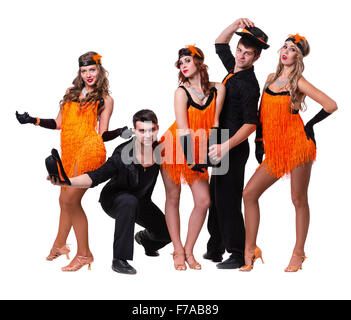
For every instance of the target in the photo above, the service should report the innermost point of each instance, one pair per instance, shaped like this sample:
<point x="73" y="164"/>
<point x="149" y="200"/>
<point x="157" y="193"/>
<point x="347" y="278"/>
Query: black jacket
<point x="124" y="176"/>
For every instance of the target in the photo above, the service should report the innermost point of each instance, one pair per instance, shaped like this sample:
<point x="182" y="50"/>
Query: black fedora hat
<point x="255" y="34"/>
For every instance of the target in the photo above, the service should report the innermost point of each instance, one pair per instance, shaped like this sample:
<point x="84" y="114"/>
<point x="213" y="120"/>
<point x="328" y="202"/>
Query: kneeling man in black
<point x="127" y="196"/>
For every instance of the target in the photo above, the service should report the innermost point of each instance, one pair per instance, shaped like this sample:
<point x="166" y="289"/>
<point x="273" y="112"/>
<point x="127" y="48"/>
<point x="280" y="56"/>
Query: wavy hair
<point x="297" y="98"/>
<point x="201" y="67"/>
<point x="100" y="90"/>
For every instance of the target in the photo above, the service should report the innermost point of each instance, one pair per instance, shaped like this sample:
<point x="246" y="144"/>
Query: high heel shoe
<point x="79" y="263"/>
<point x="179" y="266"/>
<point x="56" y="252"/>
<point x="296" y="268"/>
<point x="256" y="254"/>
<point x="195" y="265"/>
<point x="55" y="169"/>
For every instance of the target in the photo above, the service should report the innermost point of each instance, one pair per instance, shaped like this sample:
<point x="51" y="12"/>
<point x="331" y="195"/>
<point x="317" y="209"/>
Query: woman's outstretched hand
<point x="24" y="118"/>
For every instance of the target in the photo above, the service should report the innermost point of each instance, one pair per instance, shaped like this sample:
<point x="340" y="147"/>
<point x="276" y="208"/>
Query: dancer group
<point x="212" y="124"/>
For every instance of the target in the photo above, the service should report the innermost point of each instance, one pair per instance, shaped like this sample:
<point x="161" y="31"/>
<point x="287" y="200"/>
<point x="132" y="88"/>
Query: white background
<point x="139" y="40"/>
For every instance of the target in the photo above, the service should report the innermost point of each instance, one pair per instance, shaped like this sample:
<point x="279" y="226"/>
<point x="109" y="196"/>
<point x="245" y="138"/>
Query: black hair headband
<point x="296" y="39"/>
<point x="95" y="59"/>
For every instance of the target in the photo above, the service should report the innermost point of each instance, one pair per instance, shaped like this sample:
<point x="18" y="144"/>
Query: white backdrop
<point x="139" y="40"/>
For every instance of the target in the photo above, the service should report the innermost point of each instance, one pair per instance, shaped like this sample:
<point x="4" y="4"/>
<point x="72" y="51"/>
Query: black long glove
<point x="259" y="150"/>
<point x="124" y="132"/>
<point x="185" y="142"/>
<point x="321" y="115"/>
<point x="24" y="118"/>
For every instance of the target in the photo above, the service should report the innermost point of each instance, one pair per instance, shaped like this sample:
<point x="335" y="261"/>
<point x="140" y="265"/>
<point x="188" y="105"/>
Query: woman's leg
<point x="258" y="183"/>
<point x="70" y="202"/>
<point x="201" y="195"/>
<point x="300" y="178"/>
<point x="65" y="224"/>
<point x="173" y="219"/>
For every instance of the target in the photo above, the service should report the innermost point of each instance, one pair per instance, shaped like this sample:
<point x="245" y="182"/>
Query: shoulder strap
<point x="188" y="95"/>
<point x="187" y="92"/>
<point x="101" y="103"/>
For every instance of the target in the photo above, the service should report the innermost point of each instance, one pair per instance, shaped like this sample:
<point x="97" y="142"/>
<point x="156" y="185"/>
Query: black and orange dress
<point x="82" y="147"/>
<point x="285" y="143"/>
<point x="200" y="121"/>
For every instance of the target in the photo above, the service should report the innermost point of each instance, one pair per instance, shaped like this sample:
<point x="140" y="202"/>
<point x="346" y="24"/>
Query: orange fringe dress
<point x="285" y="143"/>
<point x="82" y="147"/>
<point x="200" y="121"/>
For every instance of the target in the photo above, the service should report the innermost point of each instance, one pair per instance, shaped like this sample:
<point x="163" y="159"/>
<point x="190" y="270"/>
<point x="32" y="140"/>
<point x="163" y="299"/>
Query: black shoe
<point x="122" y="266"/>
<point x="52" y="162"/>
<point x="148" y="252"/>
<point x="231" y="263"/>
<point x="213" y="257"/>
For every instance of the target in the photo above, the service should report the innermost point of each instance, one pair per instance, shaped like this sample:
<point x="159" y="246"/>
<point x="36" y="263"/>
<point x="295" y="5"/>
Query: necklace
<point x="84" y="91"/>
<point x="281" y="83"/>
<point x="200" y="96"/>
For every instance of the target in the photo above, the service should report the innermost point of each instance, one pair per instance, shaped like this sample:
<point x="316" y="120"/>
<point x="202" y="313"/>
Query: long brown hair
<point x="100" y="90"/>
<point x="297" y="98"/>
<point x="201" y="67"/>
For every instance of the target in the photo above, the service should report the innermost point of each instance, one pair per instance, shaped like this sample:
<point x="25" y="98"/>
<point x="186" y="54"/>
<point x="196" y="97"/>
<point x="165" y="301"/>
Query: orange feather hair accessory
<point x="297" y="37"/>
<point x="96" y="58"/>
<point x="193" y="50"/>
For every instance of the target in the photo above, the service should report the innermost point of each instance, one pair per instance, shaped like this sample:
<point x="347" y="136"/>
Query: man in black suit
<point x="239" y="117"/>
<point x="127" y="196"/>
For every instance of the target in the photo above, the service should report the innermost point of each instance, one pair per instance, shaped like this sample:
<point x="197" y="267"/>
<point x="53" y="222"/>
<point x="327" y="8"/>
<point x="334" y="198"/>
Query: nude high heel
<point x="296" y="268"/>
<point x="256" y="254"/>
<point x="195" y="265"/>
<point x="79" y="263"/>
<point x="179" y="266"/>
<point x="56" y="252"/>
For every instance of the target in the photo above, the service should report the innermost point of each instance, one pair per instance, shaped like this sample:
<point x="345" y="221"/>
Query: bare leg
<point x="258" y="183"/>
<point x="201" y="195"/>
<point x="173" y="219"/>
<point x="70" y="202"/>
<point x="65" y="224"/>
<point x="300" y="178"/>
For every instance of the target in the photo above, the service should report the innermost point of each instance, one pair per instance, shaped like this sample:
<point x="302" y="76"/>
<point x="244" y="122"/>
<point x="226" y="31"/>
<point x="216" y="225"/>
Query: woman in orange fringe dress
<point x="198" y="103"/>
<point x="82" y="148"/>
<point x="288" y="145"/>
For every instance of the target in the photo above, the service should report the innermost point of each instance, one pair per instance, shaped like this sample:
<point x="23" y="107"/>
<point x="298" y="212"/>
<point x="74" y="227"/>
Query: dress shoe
<point x="56" y="252"/>
<point x="214" y="258"/>
<point x="231" y="263"/>
<point x="148" y="252"/>
<point x="252" y="257"/>
<point x="122" y="266"/>
<point x="78" y="262"/>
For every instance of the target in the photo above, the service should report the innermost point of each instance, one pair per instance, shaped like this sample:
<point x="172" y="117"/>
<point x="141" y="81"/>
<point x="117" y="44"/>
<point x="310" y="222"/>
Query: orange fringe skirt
<point x="82" y="147"/>
<point x="200" y="123"/>
<point x="285" y="143"/>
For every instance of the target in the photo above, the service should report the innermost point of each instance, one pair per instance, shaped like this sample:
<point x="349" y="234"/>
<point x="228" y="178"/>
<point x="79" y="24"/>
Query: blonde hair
<point x="297" y="98"/>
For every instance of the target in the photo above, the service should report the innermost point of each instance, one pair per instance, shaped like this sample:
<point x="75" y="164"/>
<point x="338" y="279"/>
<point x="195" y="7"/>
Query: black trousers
<point x="127" y="210"/>
<point x="225" y="219"/>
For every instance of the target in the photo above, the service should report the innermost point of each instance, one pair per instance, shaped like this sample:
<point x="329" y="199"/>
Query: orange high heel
<point x="179" y="266"/>
<point x="56" y="252"/>
<point x="296" y="268"/>
<point x="256" y="254"/>
<point x="195" y="265"/>
<point x="79" y="263"/>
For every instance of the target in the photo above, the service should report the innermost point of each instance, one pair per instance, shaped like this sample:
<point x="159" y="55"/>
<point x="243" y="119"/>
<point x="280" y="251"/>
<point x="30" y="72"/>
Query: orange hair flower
<point x="297" y="37"/>
<point x="96" y="58"/>
<point x="193" y="50"/>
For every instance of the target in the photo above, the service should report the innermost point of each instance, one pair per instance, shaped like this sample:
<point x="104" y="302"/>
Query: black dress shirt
<point x="242" y="94"/>
<point x="126" y="176"/>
